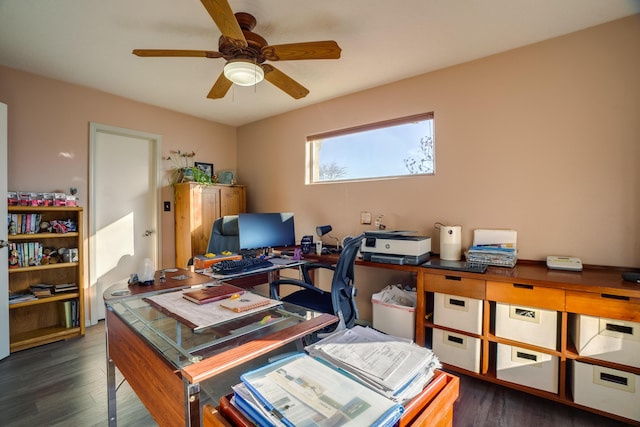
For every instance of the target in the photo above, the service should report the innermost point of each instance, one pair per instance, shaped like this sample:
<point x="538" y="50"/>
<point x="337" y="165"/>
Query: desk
<point x="168" y="365"/>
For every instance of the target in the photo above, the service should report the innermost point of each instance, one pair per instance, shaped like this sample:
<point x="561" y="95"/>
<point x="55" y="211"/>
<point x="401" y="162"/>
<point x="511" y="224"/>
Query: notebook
<point x="244" y="302"/>
<point x="213" y="293"/>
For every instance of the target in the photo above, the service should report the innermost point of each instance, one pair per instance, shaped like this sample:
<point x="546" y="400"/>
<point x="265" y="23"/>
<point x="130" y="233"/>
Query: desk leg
<point x="111" y="390"/>
<point x="192" y="405"/>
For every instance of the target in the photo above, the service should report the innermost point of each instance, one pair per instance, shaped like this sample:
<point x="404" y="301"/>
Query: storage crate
<point x="612" y="340"/>
<point x="529" y="325"/>
<point x="456" y="349"/>
<point x="458" y="312"/>
<point x="527" y="367"/>
<point x="606" y="389"/>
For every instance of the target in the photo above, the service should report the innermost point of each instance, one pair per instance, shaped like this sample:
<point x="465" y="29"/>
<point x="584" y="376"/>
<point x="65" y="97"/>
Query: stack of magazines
<point x="498" y="255"/>
<point x="355" y="377"/>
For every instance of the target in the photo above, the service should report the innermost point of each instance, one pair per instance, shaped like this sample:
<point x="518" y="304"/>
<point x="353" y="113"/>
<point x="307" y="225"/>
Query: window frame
<point x="312" y="169"/>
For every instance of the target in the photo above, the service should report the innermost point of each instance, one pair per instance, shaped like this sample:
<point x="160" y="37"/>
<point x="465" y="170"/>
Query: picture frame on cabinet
<point x="206" y="168"/>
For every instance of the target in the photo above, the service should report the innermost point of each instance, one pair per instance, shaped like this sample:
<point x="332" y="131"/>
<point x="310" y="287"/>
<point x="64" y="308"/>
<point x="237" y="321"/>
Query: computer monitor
<point x="266" y="230"/>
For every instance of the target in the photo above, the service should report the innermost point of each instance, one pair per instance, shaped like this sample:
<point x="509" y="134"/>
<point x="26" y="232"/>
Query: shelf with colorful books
<point x="45" y="251"/>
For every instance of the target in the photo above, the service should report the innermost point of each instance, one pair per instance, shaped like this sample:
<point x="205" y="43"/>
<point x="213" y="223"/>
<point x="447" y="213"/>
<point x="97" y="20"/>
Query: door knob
<point x="148" y="233"/>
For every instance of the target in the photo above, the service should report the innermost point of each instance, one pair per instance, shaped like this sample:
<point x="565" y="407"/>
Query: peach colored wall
<point x="543" y="139"/>
<point x="48" y="117"/>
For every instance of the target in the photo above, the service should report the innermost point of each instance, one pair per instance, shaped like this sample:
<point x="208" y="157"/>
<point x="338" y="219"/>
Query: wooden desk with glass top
<point x="169" y="366"/>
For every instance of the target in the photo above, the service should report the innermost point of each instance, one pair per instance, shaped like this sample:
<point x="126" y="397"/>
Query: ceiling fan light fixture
<point x="243" y="73"/>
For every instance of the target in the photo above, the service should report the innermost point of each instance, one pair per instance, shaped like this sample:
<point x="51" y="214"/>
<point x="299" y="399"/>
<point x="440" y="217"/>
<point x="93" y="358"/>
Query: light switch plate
<point x="365" y="218"/>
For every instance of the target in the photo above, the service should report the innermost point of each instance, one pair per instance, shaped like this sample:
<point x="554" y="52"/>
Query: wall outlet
<point x="365" y="218"/>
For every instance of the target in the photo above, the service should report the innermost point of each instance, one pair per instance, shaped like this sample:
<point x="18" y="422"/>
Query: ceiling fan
<point x="246" y="52"/>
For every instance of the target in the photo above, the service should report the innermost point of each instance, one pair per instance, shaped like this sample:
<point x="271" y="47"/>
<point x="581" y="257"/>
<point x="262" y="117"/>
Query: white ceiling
<point x="89" y="42"/>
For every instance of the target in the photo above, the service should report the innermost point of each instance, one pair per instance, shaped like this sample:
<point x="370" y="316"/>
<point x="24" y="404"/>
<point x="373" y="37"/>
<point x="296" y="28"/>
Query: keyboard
<point x="236" y="266"/>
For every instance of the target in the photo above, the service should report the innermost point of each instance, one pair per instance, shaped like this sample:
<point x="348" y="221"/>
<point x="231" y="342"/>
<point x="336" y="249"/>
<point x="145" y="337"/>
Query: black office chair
<point x="224" y="235"/>
<point x="340" y="301"/>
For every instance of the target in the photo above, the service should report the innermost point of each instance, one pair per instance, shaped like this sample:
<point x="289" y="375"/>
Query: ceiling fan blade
<point x="177" y="52"/>
<point x="284" y="82"/>
<point x="328" y="49"/>
<point x="220" y="87"/>
<point x="224" y="18"/>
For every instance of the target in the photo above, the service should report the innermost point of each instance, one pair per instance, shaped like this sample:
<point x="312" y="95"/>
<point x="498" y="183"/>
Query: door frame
<point x="155" y="164"/>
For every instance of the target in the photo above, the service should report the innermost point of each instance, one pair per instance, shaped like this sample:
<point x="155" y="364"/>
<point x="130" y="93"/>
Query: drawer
<point x="604" y="305"/>
<point x="529" y="325"/>
<point x="458" y="312"/>
<point x="531" y="295"/>
<point x="457" y="350"/>
<point x="453" y="284"/>
<point x="526" y="367"/>
<point x="606" y="389"/>
<point x="612" y="340"/>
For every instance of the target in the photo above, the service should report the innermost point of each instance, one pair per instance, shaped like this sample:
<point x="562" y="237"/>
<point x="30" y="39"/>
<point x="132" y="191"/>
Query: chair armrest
<point x="273" y="286"/>
<point x="307" y="267"/>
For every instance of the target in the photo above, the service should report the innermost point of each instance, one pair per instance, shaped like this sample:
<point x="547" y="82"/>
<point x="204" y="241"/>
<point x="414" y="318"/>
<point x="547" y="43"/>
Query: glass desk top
<point x="181" y="346"/>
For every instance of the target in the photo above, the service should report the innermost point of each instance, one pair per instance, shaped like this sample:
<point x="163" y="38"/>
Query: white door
<point x="4" y="275"/>
<point x="124" y="214"/>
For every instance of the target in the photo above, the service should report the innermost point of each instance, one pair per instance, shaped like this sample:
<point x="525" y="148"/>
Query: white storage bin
<point x="392" y="319"/>
<point x="527" y="367"/>
<point x="612" y="340"/>
<point x="535" y="326"/>
<point x="458" y="312"/>
<point x="606" y="389"/>
<point x="457" y="350"/>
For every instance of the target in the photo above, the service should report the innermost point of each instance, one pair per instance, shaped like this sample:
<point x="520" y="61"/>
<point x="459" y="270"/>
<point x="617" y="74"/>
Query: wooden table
<point x="166" y="363"/>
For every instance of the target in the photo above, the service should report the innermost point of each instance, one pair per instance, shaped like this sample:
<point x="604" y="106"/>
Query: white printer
<point x="395" y="247"/>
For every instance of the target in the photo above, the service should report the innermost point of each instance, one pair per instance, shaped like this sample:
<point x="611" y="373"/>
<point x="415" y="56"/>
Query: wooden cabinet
<point x="533" y="313"/>
<point x="42" y="320"/>
<point x="196" y="207"/>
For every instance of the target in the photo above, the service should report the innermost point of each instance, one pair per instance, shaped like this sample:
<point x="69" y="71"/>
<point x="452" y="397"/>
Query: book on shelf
<point x="41" y="290"/>
<point x="65" y="287"/>
<point x="212" y="293"/>
<point x="21" y="297"/>
<point x="65" y="314"/>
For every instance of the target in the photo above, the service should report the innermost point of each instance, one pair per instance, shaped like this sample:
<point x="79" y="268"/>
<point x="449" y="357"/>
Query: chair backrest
<point x="225" y="235"/>
<point x="342" y="285"/>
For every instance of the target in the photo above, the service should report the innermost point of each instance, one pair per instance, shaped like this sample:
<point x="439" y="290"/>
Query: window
<point x="390" y="149"/>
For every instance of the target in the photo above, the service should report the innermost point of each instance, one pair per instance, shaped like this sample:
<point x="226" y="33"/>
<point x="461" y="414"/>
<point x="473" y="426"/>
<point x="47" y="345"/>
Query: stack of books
<point x="354" y="377"/>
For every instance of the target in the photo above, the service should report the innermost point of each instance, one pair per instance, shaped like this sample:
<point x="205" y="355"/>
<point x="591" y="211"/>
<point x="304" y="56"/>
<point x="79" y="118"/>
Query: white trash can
<point x="394" y="312"/>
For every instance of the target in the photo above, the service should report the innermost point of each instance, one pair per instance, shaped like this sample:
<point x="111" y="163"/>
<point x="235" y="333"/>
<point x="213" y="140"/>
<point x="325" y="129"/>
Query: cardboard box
<point x="456" y="349"/>
<point x="606" y="389"/>
<point x="612" y="340"/>
<point x="458" y="312"/>
<point x="527" y="324"/>
<point x="527" y="367"/>
<point x="392" y="319"/>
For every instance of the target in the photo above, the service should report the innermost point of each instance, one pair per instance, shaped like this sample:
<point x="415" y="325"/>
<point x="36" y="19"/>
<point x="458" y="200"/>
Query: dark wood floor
<point x="64" y="384"/>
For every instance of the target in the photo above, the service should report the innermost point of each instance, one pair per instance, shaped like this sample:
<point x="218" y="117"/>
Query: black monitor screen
<point x="266" y="230"/>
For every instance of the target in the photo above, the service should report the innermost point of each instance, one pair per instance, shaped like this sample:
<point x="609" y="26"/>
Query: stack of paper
<point x="300" y="390"/>
<point x="494" y="247"/>
<point x="394" y="367"/>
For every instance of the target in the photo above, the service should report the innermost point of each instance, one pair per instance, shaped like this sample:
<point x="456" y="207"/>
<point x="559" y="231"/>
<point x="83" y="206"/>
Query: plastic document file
<point x="302" y="391"/>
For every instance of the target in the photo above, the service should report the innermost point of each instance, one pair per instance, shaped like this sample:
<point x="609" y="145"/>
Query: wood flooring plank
<point x="64" y="384"/>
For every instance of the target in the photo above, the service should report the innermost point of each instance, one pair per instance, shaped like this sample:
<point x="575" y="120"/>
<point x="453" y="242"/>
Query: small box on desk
<point x="606" y="389"/>
<point x="201" y="261"/>
<point x="527" y="367"/>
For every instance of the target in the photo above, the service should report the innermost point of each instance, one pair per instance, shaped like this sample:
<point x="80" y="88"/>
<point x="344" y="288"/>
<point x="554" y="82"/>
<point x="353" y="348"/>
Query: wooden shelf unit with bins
<point x="562" y="297"/>
<point x="196" y="207"/>
<point x="37" y="322"/>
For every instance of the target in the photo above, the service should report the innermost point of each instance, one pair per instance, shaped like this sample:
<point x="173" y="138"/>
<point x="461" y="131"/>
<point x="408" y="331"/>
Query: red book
<point x="213" y="293"/>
